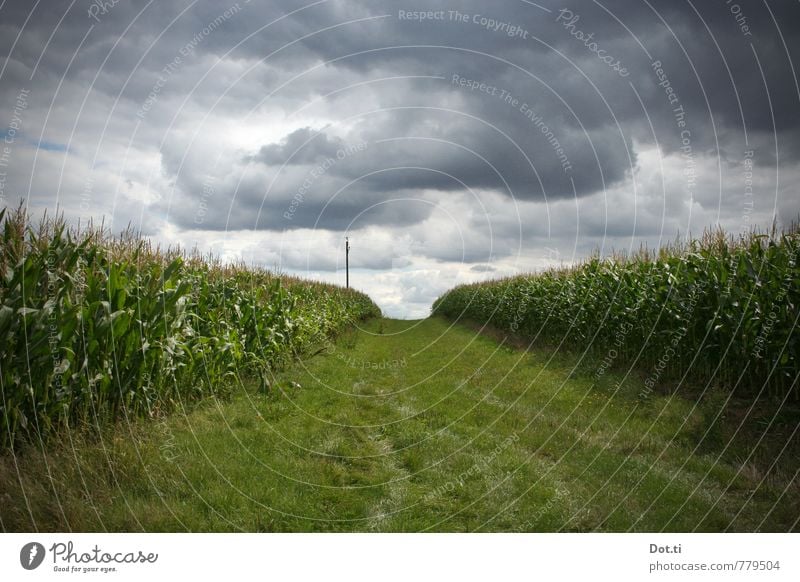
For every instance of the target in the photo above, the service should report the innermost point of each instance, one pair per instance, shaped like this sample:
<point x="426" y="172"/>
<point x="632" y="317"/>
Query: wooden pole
<point x="347" y="261"/>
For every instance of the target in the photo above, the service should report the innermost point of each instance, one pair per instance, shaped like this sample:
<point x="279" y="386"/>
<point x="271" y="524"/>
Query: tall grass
<point x="719" y="309"/>
<point x="93" y="327"/>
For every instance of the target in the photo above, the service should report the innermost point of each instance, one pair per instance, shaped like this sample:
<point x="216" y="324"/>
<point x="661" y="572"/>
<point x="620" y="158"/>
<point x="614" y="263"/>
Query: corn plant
<point x="94" y="327"/>
<point x="718" y="309"/>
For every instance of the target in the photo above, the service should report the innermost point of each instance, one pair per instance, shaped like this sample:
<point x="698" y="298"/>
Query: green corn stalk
<point x="93" y="328"/>
<point x="723" y="310"/>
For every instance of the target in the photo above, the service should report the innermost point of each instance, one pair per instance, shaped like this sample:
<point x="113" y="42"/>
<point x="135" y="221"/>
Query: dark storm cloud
<point x="290" y="201"/>
<point x="507" y="98"/>
<point x="303" y="145"/>
<point x="482" y="269"/>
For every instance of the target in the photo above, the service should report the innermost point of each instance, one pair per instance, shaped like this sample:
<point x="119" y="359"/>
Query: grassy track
<point x="410" y="426"/>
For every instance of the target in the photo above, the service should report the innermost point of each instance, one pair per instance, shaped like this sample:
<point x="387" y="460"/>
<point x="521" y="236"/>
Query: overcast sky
<point x="475" y="140"/>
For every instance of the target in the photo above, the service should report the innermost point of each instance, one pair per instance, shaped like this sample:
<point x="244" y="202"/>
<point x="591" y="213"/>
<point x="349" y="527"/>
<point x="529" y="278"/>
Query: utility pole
<point x="347" y="260"/>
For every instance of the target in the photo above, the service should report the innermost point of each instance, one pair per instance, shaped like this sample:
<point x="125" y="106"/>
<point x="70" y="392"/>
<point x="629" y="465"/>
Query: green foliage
<point x="715" y="310"/>
<point x="93" y="327"/>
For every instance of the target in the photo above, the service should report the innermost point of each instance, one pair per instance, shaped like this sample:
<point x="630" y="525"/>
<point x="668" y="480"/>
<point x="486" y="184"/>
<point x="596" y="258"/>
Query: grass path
<point x="412" y="426"/>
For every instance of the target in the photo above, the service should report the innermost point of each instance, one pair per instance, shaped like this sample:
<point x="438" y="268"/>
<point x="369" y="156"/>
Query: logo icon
<point x="31" y="555"/>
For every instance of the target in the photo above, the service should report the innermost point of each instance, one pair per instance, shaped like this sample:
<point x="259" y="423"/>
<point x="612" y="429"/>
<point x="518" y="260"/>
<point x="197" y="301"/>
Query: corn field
<point x="716" y="311"/>
<point x="94" y="328"/>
